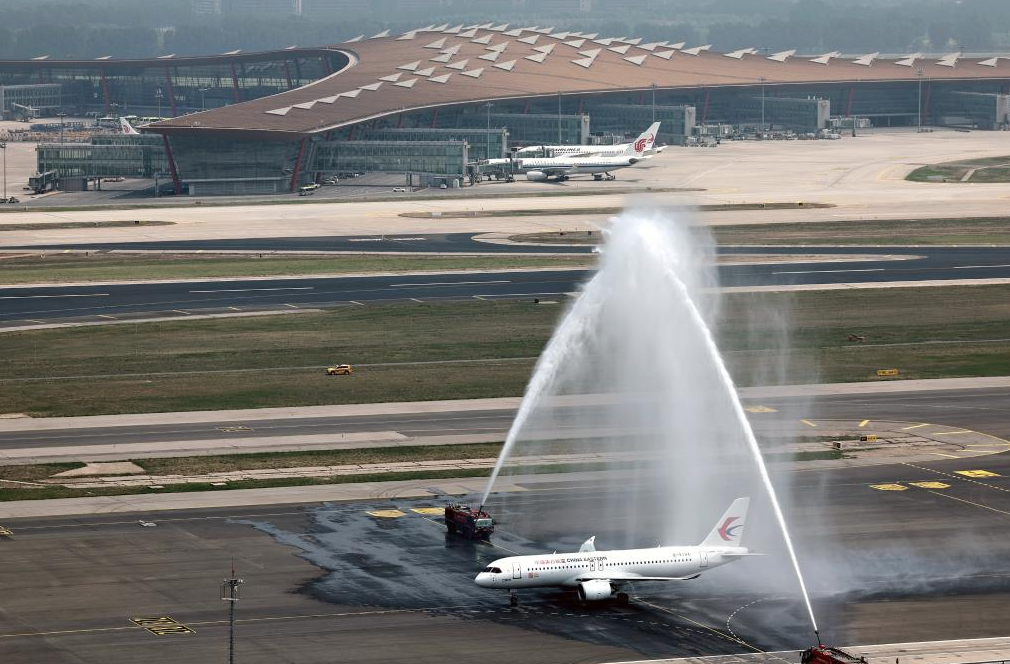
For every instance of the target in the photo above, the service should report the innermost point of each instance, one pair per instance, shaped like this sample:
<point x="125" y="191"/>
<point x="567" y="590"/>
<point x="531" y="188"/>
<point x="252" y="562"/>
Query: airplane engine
<point x="536" y="176"/>
<point x="595" y="590"/>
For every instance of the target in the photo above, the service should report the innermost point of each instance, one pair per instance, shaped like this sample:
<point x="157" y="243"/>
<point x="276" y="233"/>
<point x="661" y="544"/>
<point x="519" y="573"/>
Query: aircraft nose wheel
<point x="513" y="598"/>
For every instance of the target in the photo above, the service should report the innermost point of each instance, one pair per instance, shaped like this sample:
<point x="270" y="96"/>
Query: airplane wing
<point x="622" y="577"/>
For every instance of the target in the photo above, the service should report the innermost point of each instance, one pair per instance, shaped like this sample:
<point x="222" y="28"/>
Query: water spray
<point x="731" y="393"/>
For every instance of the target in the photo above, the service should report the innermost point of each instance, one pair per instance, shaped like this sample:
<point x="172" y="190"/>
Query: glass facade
<point x="630" y="120"/>
<point x="526" y="128"/>
<point x="219" y="158"/>
<point x="437" y="158"/>
<point x="38" y="95"/>
<point x="167" y="88"/>
<point x="479" y="140"/>
<point x="130" y="159"/>
<point x="980" y="110"/>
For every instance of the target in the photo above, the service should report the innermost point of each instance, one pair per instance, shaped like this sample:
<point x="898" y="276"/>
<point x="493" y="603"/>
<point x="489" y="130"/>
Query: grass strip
<point x="81" y="224"/>
<point x="925" y="333"/>
<point x="984" y="169"/>
<point x="982" y="230"/>
<point x="102" y="266"/>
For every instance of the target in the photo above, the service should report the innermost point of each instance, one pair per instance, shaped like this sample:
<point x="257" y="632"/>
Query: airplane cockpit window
<point x="493" y="570"/>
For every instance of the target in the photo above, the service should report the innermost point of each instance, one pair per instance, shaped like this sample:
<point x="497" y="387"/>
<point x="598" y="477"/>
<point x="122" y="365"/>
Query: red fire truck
<point x="824" y="655"/>
<point x="468" y="522"/>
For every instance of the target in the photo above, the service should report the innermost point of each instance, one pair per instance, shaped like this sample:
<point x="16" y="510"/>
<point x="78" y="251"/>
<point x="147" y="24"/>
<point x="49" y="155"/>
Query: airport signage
<point x="887" y="372"/>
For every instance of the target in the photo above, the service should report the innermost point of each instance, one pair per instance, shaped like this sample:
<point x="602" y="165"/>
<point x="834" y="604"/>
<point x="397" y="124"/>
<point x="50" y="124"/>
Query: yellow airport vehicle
<point x="340" y="370"/>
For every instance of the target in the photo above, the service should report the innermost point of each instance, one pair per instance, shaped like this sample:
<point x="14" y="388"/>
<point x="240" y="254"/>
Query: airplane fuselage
<point x="569" y="570"/>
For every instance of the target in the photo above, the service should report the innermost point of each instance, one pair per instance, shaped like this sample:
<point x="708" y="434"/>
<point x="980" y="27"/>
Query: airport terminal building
<point x="431" y="102"/>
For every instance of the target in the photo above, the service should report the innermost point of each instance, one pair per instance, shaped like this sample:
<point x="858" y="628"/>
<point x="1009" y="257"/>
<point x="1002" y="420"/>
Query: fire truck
<point x="825" y="655"/>
<point x="467" y="522"/>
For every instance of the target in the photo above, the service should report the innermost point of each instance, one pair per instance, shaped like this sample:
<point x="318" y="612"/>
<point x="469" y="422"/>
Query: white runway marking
<point x="33" y="297"/>
<point x="247" y="290"/>
<point x="975" y="267"/>
<point x="876" y="269"/>
<point x="451" y="283"/>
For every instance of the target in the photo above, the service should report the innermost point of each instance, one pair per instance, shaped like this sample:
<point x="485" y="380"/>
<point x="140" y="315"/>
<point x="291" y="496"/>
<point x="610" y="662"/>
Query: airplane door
<point x="592" y="565"/>
<point x="517" y="571"/>
<point x="703" y="556"/>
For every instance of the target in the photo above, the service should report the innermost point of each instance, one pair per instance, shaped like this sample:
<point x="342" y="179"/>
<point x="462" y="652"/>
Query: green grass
<point x="983" y="230"/>
<point x="70" y="268"/>
<point x="988" y="169"/>
<point x="922" y="332"/>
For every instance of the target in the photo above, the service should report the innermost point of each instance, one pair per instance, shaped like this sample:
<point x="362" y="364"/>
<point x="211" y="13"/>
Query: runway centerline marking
<point x="452" y="283"/>
<point x="969" y="502"/>
<point x="250" y="290"/>
<point x="39" y="297"/>
<point x="975" y="267"/>
<point x="872" y="269"/>
<point x="914" y="426"/>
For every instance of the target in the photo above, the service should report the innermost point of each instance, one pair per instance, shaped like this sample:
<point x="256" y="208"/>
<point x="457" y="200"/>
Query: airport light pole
<point x="653" y="103"/>
<point x="203" y="101"/>
<point x="229" y="593"/>
<point x="919" y="74"/>
<point x="763" y="79"/>
<point x="158" y="95"/>
<point x="3" y="149"/>
<point x="61" y="116"/>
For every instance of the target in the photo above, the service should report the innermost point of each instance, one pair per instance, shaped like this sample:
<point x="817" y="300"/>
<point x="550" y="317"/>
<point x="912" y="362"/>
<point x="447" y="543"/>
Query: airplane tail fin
<point x="729" y="529"/>
<point x="644" y="142"/>
<point x="127" y="127"/>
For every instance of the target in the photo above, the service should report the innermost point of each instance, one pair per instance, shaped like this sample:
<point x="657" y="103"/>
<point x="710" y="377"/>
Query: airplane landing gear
<point x="513" y="598"/>
<point x="623" y="599"/>
<point x="609" y="176"/>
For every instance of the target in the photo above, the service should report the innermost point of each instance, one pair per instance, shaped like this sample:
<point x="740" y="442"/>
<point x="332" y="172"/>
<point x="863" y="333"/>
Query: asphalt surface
<point x="987" y="409"/>
<point x="330" y="582"/>
<point x="141" y="300"/>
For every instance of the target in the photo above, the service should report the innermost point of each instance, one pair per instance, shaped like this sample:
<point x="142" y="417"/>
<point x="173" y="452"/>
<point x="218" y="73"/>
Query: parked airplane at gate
<point x="599" y="575"/>
<point x="595" y="150"/>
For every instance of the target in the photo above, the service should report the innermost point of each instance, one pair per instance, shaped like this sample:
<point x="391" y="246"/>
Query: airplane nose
<point x="483" y="580"/>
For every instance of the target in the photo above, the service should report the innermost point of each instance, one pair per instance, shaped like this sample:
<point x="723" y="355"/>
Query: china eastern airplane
<point x="600" y="575"/>
<point x="595" y="150"/>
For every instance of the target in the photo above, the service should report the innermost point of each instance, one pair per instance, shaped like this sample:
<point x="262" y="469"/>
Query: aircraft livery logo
<point x="726" y="530"/>
<point x="640" y="145"/>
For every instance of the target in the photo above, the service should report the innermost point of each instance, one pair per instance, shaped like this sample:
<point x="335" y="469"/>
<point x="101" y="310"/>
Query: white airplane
<point x="127" y="128"/>
<point x="600" y="575"/>
<point x="596" y="150"/>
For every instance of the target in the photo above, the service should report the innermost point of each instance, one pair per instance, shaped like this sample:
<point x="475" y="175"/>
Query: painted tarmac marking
<point x="414" y="299"/>
<point x="41" y="297"/>
<point x="161" y="625"/>
<point x="713" y="630"/>
<point x="250" y="290"/>
<point x="948" y="456"/>
<point x="952" y="433"/>
<point x="292" y="306"/>
<point x="386" y="514"/>
<point x="863" y="423"/>
<point x="234" y="308"/>
<point x="106" y="316"/>
<point x="876" y="269"/>
<point x="453" y="283"/>
<point x="960" y="476"/>
<point x="977" y="473"/>
<point x="760" y="409"/>
<point x="914" y="426"/>
<point x="809" y="423"/>
<point x="930" y="485"/>
<point x="969" y="502"/>
<point x="429" y="511"/>
<point x="889" y="487"/>
<point x="975" y="267"/>
<point x="235" y="429"/>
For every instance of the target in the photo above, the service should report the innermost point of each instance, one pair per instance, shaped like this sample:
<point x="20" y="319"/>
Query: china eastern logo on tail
<point x="727" y="530"/>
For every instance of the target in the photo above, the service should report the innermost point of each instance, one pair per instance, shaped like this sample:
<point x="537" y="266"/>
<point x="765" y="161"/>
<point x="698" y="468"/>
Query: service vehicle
<point x="823" y="654"/>
<point x="340" y="370"/>
<point x="467" y="522"/>
<point x="399" y="190"/>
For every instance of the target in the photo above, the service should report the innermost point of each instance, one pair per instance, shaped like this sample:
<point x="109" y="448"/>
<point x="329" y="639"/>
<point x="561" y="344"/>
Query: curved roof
<point x="115" y="66"/>
<point x="435" y="66"/>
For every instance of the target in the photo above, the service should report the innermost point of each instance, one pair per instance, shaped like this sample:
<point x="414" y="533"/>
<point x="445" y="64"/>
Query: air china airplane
<point x="595" y="150"/>
<point x="542" y="169"/>
<point x="126" y="127"/>
<point x="600" y="575"/>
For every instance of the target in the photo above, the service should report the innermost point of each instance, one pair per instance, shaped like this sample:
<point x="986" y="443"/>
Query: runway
<point x="987" y="409"/>
<point x="27" y="305"/>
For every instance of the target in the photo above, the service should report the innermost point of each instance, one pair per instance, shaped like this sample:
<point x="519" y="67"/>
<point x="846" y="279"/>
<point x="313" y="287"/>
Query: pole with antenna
<point x="230" y="593"/>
